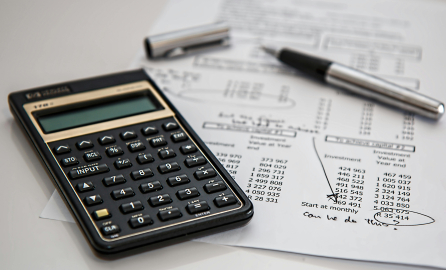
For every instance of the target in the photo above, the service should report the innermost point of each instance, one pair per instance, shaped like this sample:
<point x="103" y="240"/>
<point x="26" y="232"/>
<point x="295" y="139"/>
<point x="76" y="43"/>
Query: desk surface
<point x="45" y="42"/>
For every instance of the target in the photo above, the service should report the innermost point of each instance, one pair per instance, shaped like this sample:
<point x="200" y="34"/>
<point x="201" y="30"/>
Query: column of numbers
<point x="266" y="180"/>
<point x="392" y="191"/>
<point x="231" y="162"/>
<point x="350" y="186"/>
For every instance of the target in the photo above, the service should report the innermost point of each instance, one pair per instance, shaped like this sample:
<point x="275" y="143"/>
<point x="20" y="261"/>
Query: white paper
<point x="330" y="174"/>
<point x="56" y="209"/>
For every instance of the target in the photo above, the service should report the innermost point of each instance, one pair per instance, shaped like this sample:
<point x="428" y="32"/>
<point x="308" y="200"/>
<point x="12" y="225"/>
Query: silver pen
<point x="359" y="82"/>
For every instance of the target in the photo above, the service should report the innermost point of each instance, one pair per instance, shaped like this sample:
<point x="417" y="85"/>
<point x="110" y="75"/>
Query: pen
<point x="359" y="82"/>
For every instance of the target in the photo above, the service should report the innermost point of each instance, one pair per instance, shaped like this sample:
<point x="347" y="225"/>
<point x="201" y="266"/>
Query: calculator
<point x="128" y="164"/>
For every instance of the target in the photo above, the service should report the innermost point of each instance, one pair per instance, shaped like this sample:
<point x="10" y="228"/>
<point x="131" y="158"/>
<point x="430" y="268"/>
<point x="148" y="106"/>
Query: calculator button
<point x="136" y="146"/>
<point x="197" y="207"/>
<point x="70" y="161"/>
<point x="122" y="163"/>
<point x="127" y="135"/>
<point x="150" y="187"/>
<point x="144" y="158"/>
<point x="131" y="207"/>
<point x="111" y="229"/>
<point x="113" y="180"/>
<point x="169" y="167"/>
<point x="160" y="200"/>
<point x="140" y="221"/>
<point x="141" y="174"/>
<point x="106" y="139"/>
<point x="170" y="126"/>
<point x="97" y="169"/>
<point x="187" y="149"/>
<point x="84" y="145"/>
<point x="62" y="149"/>
<point x="92" y="156"/>
<point x="149" y="130"/>
<point x="179" y="137"/>
<point x="122" y="193"/>
<point x="169" y="214"/>
<point x="214" y="187"/>
<point x="178" y="180"/>
<point x="195" y="161"/>
<point x="101" y="214"/>
<point x="204" y="174"/>
<point x="187" y="193"/>
<point x="93" y="200"/>
<point x="114" y="151"/>
<point x="166" y="153"/>
<point x="225" y="200"/>
<point x="155" y="142"/>
<point x="84" y="187"/>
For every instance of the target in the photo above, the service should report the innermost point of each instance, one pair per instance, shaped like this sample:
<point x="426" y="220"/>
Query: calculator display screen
<point x="96" y="113"/>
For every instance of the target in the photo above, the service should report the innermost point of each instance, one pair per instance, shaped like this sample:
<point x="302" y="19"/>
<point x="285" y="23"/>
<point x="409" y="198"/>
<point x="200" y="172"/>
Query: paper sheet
<point x="330" y="174"/>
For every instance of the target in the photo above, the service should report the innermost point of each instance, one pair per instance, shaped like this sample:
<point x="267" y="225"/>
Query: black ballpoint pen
<point x="359" y="82"/>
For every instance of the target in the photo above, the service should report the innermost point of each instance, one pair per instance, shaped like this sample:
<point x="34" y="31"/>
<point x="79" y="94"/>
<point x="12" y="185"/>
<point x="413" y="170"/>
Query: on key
<point x="111" y="229"/>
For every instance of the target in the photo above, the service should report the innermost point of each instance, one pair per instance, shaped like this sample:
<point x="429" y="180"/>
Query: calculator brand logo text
<point x="48" y="92"/>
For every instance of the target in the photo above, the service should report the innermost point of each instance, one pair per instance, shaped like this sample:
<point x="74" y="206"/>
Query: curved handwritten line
<point x="325" y="173"/>
<point x="398" y="224"/>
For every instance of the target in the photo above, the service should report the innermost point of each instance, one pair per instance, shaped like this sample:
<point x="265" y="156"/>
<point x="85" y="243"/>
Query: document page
<point x="329" y="173"/>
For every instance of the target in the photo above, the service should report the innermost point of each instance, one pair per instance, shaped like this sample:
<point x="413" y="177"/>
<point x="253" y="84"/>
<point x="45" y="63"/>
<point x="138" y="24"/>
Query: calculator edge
<point x="238" y="217"/>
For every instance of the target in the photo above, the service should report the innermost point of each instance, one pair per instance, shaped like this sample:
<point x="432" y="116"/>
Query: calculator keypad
<point x="142" y="177"/>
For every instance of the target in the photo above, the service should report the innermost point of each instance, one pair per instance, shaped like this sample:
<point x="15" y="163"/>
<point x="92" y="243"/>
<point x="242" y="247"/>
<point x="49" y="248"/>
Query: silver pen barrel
<point x="383" y="91"/>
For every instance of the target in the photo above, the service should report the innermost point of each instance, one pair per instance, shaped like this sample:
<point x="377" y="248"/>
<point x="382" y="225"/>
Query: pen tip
<point x="273" y="50"/>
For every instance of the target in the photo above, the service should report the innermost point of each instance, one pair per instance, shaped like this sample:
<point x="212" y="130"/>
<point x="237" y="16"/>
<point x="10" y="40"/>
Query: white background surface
<point x="47" y="42"/>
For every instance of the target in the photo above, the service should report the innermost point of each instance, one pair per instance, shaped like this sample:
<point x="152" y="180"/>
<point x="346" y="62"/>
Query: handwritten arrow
<point x="333" y="196"/>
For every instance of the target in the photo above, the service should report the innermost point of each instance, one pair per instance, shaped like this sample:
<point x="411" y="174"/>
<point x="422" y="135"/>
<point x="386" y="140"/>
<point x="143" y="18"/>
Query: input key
<point x="87" y="171"/>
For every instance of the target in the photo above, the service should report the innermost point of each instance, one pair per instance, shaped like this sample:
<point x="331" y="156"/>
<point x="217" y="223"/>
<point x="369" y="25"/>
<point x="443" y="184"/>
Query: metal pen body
<point x="386" y="92"/>
<point x="359" y="82"/>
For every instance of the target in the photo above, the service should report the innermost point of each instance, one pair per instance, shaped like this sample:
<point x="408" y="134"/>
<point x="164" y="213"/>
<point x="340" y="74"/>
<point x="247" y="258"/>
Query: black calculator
<point x="127" y="163"/>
